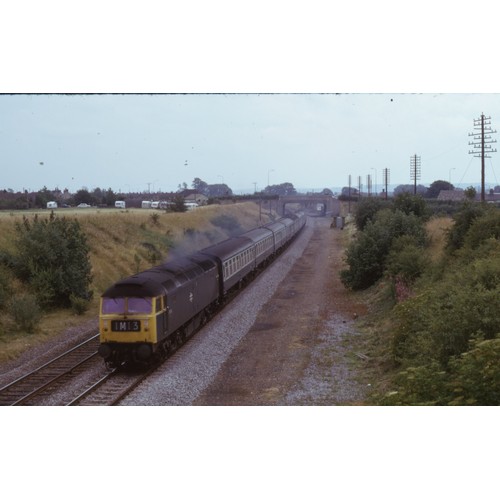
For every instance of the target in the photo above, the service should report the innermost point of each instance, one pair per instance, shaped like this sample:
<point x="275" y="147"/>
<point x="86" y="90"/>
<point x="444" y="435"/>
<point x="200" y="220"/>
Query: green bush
<point x="462" y="222"/>
<point x="421" y="385"/>
<point x="366" y="210"/>
<point x="79" y="305"/>
<point x="25" y="312"/>
<point x="366" y="256"/>
<point x="5" y="288"/>
<point x="406" y="259"/>
<point x="53" y="258"/>
<point x="473" y="378"/>
<point x="412" y="204"/>
<point x="483" y="228"/>
<point x="476" y="375"/>
<point x="438" y="323"/>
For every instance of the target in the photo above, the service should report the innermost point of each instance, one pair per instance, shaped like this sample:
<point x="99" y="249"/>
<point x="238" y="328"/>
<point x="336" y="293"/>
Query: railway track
<point x="50" y="376"/>
<point x="111" y="388"/>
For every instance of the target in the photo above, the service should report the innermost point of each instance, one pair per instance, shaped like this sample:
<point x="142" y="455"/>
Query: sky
<point x="155" y="142"/>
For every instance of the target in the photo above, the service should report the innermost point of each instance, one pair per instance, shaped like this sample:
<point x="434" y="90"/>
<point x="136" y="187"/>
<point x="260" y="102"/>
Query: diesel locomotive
<point x="146" y="316"/>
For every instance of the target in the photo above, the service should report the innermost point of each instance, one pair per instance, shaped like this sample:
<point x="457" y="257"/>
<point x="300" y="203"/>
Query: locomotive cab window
<point x="130" y="305"/>
<point x="138" y="305"/>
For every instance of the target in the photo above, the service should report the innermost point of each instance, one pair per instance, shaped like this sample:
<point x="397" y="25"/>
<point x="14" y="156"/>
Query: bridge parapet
<point x="331" y="205"/>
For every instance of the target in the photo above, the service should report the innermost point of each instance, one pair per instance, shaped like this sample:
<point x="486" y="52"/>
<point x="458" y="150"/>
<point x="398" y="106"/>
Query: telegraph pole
<point x="349" y="202"/>
<point x="415" y="171"/>
<point x="386" y="180"/>
<point x="482" y="144"/>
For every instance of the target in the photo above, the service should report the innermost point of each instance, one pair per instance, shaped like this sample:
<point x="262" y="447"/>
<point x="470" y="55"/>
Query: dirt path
<point x="300" y="350"/>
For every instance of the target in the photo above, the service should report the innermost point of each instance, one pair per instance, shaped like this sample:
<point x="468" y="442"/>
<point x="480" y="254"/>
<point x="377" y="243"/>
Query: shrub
<point x="422" y="385"/>
<point x="472" y="378"/>
<point x="78" y="304"/>
<point x="366" y="210"/>
<point x="463" y="220"/>
<point x="482" y="228"/>
<point x="476" y="375"/>
<point x="155" y="218"/>
<point x="462" y="306"/>
<point x="53" y="257"/>
<point x="406" y="259"/>
<point x="25" y="312"/>
<point x="5" y="288"/>
<point x="412" y="204"/>
<point x="366" y="256"/>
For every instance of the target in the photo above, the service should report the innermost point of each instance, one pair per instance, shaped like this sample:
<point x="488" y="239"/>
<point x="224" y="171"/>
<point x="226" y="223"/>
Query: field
<point x="123" y="242"/>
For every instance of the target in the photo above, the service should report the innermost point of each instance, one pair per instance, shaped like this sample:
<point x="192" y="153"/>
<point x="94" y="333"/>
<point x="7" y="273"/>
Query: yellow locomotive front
<point x="128" y="327"/>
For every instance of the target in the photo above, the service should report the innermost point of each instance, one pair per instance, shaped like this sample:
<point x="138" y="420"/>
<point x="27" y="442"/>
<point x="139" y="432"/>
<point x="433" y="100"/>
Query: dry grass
<point x="436" y="231"/>
<point x="121" y="244"/>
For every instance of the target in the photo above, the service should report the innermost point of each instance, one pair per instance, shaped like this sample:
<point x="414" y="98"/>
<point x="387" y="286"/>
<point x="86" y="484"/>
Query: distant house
<point x="451" y="195"/>
<point x="192" y="196"/>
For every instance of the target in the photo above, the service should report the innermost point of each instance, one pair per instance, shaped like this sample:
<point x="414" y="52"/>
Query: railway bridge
<point x="319" y="203"/>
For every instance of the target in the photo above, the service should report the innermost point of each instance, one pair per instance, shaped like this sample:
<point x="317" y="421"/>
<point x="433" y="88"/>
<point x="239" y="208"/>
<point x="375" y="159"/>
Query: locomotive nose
<point x="144" y="352"/>
<point x="104" y="351"/>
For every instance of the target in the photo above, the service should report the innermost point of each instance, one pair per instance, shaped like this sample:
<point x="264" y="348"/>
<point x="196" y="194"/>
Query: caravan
<point x="119" y="204"/>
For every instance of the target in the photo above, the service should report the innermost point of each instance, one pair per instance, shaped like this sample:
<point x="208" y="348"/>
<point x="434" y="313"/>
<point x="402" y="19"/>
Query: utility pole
<point x="360" y="185"/>
<point x="482" y="142"/>
<point x="415" y="171"/>
<point x="349" y="202"/>
<point x="386" y="180"/>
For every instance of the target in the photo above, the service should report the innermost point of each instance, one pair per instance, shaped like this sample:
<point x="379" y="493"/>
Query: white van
<point x="119" y="204"/>
<point x="52" y="204"/>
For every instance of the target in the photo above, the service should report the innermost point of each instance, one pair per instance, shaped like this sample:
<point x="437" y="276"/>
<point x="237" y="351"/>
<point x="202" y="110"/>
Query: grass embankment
<point x="122" y="242"/>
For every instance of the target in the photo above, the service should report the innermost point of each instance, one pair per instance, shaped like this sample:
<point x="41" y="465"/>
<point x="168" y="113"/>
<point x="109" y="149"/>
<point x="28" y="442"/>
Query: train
<point x="145" y="317"/>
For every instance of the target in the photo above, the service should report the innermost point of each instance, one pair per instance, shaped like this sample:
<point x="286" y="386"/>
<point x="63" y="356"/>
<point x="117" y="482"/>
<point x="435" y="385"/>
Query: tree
<point x="200" y="185"/>
<point x="409" y="188"/>
<point x="83" y="196"/>
<point x="437" y="186"/>
<point x="470" y="193"/>
<point x="345" y="192"/>
<point x="178" y="204"/>
<point x="43" y="196"/>
<point x="284" y="189"/>
<point x="218" y="190"/>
